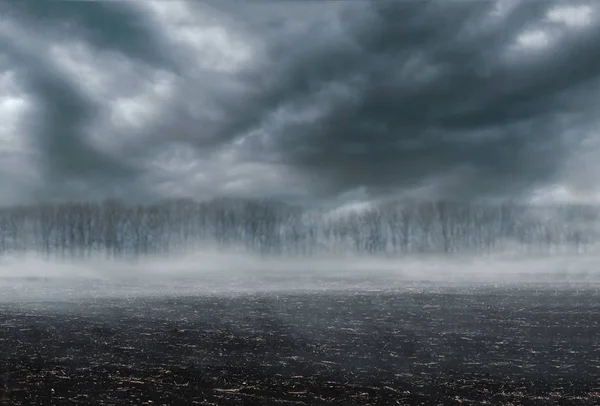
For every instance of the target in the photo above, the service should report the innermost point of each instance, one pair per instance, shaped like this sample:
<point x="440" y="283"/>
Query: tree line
<point x="269" y="227"/>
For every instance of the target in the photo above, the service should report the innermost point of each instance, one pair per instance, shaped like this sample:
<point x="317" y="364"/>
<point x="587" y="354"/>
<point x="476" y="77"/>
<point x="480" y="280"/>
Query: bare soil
<point x="365" y="348"/>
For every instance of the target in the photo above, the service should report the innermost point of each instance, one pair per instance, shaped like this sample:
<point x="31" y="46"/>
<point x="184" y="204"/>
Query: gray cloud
<point x="431" y="94"/>
<point x="304" y="100"/>
<point x="69" y="165"/>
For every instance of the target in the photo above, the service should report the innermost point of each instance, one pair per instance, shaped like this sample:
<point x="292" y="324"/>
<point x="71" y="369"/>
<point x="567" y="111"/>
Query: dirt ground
<point x="372" y="348"/>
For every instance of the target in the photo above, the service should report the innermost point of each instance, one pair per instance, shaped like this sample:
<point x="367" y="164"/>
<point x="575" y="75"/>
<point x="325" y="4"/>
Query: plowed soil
<point x="482" y="346"/>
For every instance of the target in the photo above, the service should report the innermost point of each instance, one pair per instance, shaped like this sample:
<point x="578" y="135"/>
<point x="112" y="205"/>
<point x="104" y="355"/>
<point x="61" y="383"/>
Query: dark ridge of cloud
<point x="64" y="114"/>
<point x="67" y="156"/>
<point x="58" y="136"/>
<point x="70" y="165"/>
<point x="104" y="24"/>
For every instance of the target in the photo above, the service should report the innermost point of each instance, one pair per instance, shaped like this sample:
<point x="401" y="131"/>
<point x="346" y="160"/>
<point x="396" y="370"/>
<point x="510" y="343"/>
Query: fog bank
<point x="226" y="245"/>
<point x="212" y="271"/>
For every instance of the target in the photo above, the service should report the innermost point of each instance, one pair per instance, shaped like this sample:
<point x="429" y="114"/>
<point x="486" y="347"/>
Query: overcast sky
<point x="302" y="100"/>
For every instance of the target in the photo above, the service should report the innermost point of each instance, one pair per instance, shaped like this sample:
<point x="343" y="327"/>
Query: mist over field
<point x="431" y="140"/>
<point x="272" y="228"/>
<point x="234" y="245"/>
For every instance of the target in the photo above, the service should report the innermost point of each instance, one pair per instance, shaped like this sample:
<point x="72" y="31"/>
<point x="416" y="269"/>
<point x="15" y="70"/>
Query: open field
<point x="417" y="345"/>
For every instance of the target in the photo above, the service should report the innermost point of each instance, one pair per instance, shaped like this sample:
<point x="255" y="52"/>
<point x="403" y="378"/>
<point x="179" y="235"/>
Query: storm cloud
<point x="299" y="100"/>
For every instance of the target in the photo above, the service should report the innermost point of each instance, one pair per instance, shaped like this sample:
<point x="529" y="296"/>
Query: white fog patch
<point x="564" y="194"/>
<point x="555" y="194"/>
<point x="352" y="206"/>
<point x="214" y="271"/>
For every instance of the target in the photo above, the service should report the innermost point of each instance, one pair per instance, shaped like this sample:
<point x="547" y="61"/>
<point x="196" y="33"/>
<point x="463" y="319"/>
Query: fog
<point x="32" y="278"/>
<point x="88" y="250"/>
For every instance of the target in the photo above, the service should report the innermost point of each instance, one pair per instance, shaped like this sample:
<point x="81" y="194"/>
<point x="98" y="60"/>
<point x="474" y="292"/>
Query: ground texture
<point x="494" y="346"/>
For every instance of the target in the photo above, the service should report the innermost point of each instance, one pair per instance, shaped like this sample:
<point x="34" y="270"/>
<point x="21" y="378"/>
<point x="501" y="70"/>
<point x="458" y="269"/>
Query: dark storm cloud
<point x="69" y="165"/>
<point x="496" y="123"/>
<point x="105" y="24"/>
<point x="462" y="98"/>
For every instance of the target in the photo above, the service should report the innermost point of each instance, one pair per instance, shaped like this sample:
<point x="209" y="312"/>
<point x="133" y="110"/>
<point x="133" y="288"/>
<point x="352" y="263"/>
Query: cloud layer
<point x="299" y="100"/>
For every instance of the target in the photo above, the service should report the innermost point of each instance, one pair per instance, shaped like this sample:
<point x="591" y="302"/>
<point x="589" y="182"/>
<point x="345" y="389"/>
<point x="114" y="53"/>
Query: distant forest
<point x="268" y="227"/>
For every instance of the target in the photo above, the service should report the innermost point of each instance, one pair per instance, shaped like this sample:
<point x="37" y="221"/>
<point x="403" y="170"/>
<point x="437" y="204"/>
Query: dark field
<point x="448" y="346"/>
